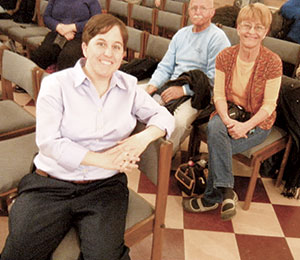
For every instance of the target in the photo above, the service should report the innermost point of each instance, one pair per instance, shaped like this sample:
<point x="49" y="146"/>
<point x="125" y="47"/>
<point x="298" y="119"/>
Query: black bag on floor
<point x="191" y="176"/>
<point x="140" y="68"/>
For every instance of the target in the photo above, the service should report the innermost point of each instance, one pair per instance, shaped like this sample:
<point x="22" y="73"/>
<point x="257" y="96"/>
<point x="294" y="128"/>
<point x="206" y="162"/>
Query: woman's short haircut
<point x="102" y="23"/>
<point x="256" y="12"/>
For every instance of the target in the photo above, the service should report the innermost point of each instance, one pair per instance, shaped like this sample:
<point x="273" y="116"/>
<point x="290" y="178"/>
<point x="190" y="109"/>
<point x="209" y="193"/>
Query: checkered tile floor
<point x="269" y="230"/>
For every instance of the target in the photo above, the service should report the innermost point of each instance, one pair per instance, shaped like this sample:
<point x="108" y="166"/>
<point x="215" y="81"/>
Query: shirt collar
<point x="80" y="77"/>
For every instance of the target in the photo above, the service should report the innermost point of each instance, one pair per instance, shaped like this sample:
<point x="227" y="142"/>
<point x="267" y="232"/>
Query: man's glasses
<point x="257" y="28"/>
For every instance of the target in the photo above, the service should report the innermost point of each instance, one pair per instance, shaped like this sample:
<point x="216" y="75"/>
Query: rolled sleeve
<point x="271" y="95"/>
<point x="71" y="155"/>
<point x="150" y="112"/>
<point x="219" y="87"/>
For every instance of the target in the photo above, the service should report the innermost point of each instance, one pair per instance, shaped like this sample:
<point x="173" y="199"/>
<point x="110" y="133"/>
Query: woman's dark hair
<point x="102" y="23"/>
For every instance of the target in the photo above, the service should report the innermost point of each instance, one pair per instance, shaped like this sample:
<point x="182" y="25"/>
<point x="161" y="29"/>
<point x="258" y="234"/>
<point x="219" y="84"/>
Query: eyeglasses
<point x="257" y="28"/>
<point x="202" y="9"/>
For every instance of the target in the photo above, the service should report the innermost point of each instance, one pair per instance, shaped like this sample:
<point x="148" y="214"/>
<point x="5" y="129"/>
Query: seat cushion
<point x="138" y="209"/>
<point x="16" y="157"/>
<point x="20" y="34"/>
<point x="8" y="23"/>
<point x="14" y="117"/>
<point x="276" y="134"/>
<point x="34" y="41"/>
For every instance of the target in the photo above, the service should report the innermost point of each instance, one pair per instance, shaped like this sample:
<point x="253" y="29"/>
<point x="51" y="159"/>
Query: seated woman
<point x="85" y="116"/>
<point x="21" y="11"/>
<point x="66" y="20"/>
<point x="8" y="8"/>
<point x="249" y="75"/>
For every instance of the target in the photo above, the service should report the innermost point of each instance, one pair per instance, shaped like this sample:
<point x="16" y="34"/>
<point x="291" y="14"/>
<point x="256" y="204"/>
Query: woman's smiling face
<point x="104" y="53"/>
<point x="251" y="33"/>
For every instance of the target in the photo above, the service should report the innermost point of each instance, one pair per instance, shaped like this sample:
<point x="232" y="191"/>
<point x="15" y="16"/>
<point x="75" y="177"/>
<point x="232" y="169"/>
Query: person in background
<point x="248" y="75"/>
<point x="66" y="20"/>
<point x="291" y="10"/>
<point x="8" y="8"/>
<point x="85" y="117"/>
<point x="192" y="47"/>
<point x="21" y="11"/>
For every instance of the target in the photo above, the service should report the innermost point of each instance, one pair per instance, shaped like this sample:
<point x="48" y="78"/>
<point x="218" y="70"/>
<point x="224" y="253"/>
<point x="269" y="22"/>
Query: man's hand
<point x="172" y="93"/>
<point x="150" y="89"/>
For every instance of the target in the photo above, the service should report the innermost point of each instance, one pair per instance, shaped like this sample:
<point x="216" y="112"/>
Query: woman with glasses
<point x="247" y="75"/>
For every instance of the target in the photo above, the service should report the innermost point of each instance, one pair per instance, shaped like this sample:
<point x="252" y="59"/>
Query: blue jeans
<point x="221" y="147"/>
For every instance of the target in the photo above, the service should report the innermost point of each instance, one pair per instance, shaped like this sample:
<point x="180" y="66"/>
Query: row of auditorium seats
<point x="163" y="22"/>
<point x="17" y="126"/>
<point x="142" y="44"/>
<point x="150" y="45"/>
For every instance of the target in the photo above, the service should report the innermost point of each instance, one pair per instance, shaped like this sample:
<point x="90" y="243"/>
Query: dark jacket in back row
<point x="289" y="119"/>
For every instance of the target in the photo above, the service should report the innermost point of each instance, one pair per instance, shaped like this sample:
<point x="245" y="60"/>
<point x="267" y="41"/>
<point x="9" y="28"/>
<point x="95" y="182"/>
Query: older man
<point x="192" y="47"/>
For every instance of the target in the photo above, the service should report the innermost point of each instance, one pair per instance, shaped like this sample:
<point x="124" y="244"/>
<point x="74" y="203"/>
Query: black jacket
<point x="288" y="118"/>
<point x="198" y="82"/>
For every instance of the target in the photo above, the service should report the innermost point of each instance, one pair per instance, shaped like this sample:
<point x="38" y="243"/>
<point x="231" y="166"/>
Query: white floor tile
<point x="174" y="213"/>
<point x="294" y="245"/>
<point x="260" y="219"/>
<point x="210" y="245"/>
<point x="275" y="196"/>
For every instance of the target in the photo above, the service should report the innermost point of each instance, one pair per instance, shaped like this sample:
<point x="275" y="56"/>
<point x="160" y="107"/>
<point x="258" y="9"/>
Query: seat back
<point x="289" y="52"/>
<point x="40" y="8"/>
<point x="148" y="3"/>
<point x="136" y="43"/>
<point x="176" y="7"/>
<point x="168" y="24"/>
<point x="3" y="93"/>
<point x="231" y="34"/>
<point x="38" y="74"/>
<point x="2" y="48"/>
<point x="16" y="160"/>
<point x="143" y="18"/>
<point x="104" y="5"/>
<point x="18" y="69"/>
<point x="120" y="9"/>
<point x="156" y="46"/>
